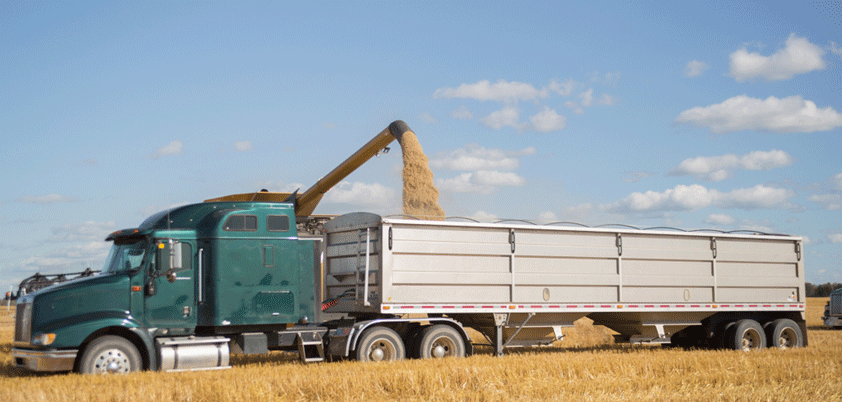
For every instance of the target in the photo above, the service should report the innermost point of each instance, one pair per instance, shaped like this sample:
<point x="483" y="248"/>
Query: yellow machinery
<point x="306" y="202"/>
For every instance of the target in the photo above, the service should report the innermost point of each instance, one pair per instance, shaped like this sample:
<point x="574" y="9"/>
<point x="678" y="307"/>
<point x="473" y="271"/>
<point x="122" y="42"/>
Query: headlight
<point x="43" y="339"/>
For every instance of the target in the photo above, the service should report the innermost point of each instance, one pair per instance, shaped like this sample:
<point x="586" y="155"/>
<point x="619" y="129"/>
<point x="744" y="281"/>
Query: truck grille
<point x="836" y="304"/>
<point x="23" y="323"/>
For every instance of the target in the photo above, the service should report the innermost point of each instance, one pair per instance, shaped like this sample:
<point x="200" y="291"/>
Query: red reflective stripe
<point x="407" y="306"/>
<point x="571" y="306"/>
<point x="589" y="306"/>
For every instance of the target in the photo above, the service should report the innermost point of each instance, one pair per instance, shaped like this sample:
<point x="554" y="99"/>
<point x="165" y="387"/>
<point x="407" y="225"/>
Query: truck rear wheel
<point x="110" y="355"/>
<point x="745" y="335"/>
<point x="784" y="333"/>
<point x="440" y="341"/>
<point x="379" y="344"/>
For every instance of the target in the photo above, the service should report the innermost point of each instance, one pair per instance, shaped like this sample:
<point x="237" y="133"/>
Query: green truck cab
<point x="179" y="292"/>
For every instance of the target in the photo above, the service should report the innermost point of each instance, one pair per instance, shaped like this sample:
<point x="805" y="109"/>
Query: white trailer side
<point x="520" y="283"/>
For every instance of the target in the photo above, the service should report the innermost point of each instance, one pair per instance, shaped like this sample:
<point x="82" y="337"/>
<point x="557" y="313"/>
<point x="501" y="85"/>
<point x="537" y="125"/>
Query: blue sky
<point x="723" y="115"/>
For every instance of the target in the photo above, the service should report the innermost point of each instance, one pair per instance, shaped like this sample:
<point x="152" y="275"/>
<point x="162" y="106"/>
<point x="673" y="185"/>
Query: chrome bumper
<point x="44" y="360"/>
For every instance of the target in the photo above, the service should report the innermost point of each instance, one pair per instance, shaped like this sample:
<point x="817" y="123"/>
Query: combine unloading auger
<point x="306" y="202"/>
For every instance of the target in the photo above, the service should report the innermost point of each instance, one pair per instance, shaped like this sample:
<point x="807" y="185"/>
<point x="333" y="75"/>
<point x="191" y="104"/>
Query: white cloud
<point x="462" y="113"/>
<point x="496" y="178"/>
<point x="830" y="202"/>
<point x="86" y="231"/>
<point x="835" y="48"/>
<point x="786" y="115"/>
<point x="475" y="157"/>
<point x="506" y="117"/>
<point x="426" y="117"/>
<point x="73" y="258"/>
<point x="173" y="148"/>
<point x="586" y="97"/>
<point x="483" y="216"/>
<point x="605" y="79"/>
<point x="694" y="197"/>
<point x="358" y="193"/>
<point x="798" y="56"/>
<point x="47" y="199"/>
<point x="563" y="88"/>
<point x="836" y="182"/>
<point x="578" y="212"/>
<point x="548" y="120"/>
<point x="575" y="106"/>
<point x="499" y="91"/>
<point x="547" y="216"/>
<point x="695" y="68"/>
<point x="835" y="237"/>
<point x="242" y="146"/>
<point x="634" y="177"/>
<point x="718" y="168"/>
<point x="480" y="182"/>
<point x="719" y="219"/>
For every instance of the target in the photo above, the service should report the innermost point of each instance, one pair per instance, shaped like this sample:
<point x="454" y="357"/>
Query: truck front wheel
<point x="439" y="341"/>
<point x="110" y="354"/>
<point x="379" y="344"/>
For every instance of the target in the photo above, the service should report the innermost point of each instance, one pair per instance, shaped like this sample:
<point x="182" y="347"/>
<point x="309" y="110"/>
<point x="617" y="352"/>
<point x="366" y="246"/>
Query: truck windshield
<point x="125" y="255"/>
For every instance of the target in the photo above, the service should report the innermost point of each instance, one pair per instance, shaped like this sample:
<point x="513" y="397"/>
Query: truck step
<point x="310" y="347"/>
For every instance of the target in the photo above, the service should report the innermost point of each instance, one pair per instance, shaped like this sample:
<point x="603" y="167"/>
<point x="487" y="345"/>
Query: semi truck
<point x="833" y="310"/>
<point x="252" y="273"/>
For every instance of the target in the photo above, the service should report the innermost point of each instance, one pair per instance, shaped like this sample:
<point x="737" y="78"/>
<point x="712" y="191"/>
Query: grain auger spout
<point x="307" y="201"/>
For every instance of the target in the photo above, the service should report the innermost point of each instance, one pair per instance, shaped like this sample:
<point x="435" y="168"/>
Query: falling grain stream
<point x="420" y="195"/>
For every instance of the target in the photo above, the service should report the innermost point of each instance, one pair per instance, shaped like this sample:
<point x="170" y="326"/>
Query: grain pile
<point x="420" y="195"/>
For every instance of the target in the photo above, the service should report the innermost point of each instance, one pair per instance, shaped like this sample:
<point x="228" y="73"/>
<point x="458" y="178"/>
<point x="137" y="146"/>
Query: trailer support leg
<point x="498" y="343"/>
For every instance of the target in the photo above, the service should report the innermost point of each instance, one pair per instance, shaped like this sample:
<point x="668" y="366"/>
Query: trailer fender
<point x="348" y="337"/>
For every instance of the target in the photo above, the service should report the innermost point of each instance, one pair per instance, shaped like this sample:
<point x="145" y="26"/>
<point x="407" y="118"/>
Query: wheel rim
<point x="442" y="347"/>
<point x="788" y="338"/>
<point x="112" y="361"/>
<point x="751" y="340"/>
<point x="382" y="350"/>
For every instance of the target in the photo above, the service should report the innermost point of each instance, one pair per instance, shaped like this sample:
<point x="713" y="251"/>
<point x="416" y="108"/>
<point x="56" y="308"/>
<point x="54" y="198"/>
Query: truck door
<point x="170" y="290"/>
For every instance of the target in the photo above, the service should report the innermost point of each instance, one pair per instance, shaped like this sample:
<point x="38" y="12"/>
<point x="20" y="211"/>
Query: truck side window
<point x="241" y="223"/>
<point x="163" y="260"/>
<point x="277" y="223"/>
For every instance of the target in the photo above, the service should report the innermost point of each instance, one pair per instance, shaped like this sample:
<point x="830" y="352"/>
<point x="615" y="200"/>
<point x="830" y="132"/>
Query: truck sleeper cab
<point x="179" y="292"/>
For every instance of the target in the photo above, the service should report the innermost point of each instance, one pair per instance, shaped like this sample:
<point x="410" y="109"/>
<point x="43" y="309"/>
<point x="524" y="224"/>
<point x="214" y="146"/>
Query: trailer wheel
<point x="440" y="341"/>
<point x="379" y="344"/>
<point x="784" y="334"/>
<point x="745" y="335"/>
<point x="110" y="355"/>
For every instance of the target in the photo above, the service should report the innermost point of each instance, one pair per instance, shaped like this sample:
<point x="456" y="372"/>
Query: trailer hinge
<point x="512" y="239"/>
<point x="798" y="250"/>
<point x="713" y="246"/>
<point x="619" y="244"/>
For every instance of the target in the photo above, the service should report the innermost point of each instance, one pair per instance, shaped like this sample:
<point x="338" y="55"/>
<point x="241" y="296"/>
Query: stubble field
<point x="586" y="366"/>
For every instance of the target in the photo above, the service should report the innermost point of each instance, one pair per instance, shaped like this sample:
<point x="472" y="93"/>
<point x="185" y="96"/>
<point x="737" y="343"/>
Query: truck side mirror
<point x="175" y="255"/>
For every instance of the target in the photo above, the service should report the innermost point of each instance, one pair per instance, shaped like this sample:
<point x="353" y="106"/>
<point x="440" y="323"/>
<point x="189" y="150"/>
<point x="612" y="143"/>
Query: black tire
<point x="745" y="335"/>
<point x="380" y="344"/>
<point x="438" y="341"/>
<point x="783" y="334"/>
<point x="110" y="354"/>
